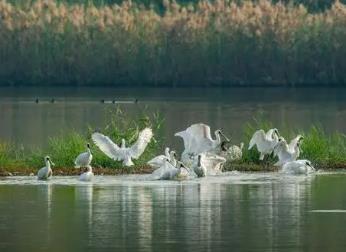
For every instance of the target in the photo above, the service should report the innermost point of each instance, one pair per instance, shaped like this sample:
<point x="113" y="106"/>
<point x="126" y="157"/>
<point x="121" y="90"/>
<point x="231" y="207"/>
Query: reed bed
<point x="202" y="44"/>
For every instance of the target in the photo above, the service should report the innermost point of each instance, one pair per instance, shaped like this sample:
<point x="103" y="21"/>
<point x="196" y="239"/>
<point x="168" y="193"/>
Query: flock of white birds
<point x="202" y="155"/>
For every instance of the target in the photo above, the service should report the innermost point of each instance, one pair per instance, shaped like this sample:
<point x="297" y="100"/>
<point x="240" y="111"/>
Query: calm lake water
<point x="24" y="121"/>
<point x="230" y="212"/>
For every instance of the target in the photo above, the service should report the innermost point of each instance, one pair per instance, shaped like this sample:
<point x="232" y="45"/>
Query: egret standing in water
<point x="123" y="153"/>
<point x="88" y="175"/>
<point x="265" y="142"/>
<point x="84" y="159"/>
<point x="46" y="172"/>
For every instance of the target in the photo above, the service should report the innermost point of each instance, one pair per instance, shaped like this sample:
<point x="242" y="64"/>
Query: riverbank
<point x="206" y="44"/>
<point x="146" y="169"/>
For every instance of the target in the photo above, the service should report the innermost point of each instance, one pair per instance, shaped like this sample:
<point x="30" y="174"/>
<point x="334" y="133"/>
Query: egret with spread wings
<point x="287" y="153"/>
<point x="265" y="142"/>
<point x="197" y="139"/>
<point x="123" y="153"/>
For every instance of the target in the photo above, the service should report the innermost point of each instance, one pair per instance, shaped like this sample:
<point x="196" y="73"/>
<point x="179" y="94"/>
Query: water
<point x="235" y="211"/>
<point x="23" y="121"/>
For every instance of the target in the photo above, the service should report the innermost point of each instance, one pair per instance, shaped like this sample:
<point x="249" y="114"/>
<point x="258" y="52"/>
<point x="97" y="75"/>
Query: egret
<point x="84" y="159"/>
<point x="123" y="153"/>
<point x="296" y="141"/>
<point x="265" y="142"/>
<point x="300" y="166"/>
<point x="46" y="172"/>
<point x="88" y="175"/>
<point x="286" y="153"/>
<point x="208" y="164"/>
<point x="197" y="139"/>
<point x="158" y="161"/>
<point x="167" y="171"/>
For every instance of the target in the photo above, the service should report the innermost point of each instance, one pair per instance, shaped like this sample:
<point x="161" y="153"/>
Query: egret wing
<point x="197" y="138"/>
<point x="165" y="171"/>
<point x="294" y="142"/>
<point x="139" y="146"/>
<point x="186" y="138"/>
<point x="157" y="161"/>
<point x="257" y="138"/>
<point x="107" y="146"/>
<point x="212" y="163"/>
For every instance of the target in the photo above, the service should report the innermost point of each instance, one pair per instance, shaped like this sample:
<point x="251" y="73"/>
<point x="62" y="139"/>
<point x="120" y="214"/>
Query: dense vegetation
<point x="202" y="43"/>
<point x="325" y="151"/>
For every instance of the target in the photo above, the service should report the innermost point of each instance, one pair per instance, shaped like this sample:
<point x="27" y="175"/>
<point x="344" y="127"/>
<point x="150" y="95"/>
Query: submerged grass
<point x="204" y="44"/>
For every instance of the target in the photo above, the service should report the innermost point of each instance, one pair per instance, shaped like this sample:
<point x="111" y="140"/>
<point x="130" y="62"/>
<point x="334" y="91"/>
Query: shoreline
<point x="145" y="169"/>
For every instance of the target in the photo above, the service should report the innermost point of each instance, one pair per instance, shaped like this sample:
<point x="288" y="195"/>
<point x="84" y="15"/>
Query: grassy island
<point x="323" y="150"/>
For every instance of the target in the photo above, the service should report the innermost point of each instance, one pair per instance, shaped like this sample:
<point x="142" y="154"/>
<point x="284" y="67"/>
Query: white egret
<point x="285" y="153"/>
<point x="295" y="141"/>
<point x="123" y="153"/>
<point x="265" y="142"/>
<point x="46" y="172"/>
<point x="158" y="161"/>
<point x="300" y="166"/>
<point x="88" y="175"/>
<point x="84" y="159"/>
<point x="208" y="164"/>
<point x="167" y="171"/>
<point x="197" y="139"/>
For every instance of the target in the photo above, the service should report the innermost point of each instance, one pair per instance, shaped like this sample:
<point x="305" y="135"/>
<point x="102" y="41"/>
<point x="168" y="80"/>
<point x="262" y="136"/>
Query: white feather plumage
<point x="123" y="153"/>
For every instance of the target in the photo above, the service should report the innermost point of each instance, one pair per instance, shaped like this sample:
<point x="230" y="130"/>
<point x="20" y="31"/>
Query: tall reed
<point x="205" y="44"/>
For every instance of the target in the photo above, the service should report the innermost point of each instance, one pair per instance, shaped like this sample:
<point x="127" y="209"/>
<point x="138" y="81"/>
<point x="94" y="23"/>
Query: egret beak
<point x="52" y="164"/>
<point x="222" y="134"/>
<point x="277" y="133"/>
<point x="183" y="166"/>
